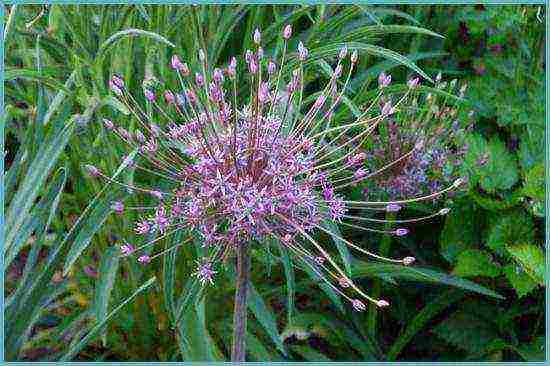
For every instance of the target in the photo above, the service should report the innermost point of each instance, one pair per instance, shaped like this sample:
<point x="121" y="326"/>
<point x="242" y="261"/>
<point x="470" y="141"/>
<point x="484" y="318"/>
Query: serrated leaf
<point x="531" y="258"/>
<point x="474" y="262"/>
<point x="467" y="332"/>
<point x="520" y="281"/>
<point x="490" y="164"/>
<point x="509" y="230"/>
<point x="459" y="232"/>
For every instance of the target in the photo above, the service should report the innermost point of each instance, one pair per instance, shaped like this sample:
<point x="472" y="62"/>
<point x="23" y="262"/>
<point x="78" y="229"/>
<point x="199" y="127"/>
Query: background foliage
<point x="476" y="294"/>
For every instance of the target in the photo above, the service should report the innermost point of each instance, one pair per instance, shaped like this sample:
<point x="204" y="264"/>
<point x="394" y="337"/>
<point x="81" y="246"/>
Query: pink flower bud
<point x="108" y="124"/>
<point x="257" y="36"/>
<point x="302" y="51"/>
<point x="118" y="207"/>
<point x="287" y="32"/>
<point x="343" y="53"/>
<point x="358" y="305"/>
<point x="382" y="303"/>
<point x="413" y="83"/>
<point x="144" y="259"/>
<point x="384" y="80"/>
<point x="139" y="136"/>
<point x="92" y="170"/>
<point x="354" y="56"/>
<point x="271" y="68"/>
<point x="126" y="249"/>
<point x="176" y="63"/>
<point x="401" y="232"/>
<point x="338" y="71"/>
<point x="169" y="97"/>
<point x="199" y="79"/>
<point x="217" y="76"/>
<point x="408" y="260"/>
<point x="320" y="101"/>
<point x="393" y="207"/>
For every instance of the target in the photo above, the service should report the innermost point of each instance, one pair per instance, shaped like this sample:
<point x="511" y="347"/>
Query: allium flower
<point x="270" y="167"/>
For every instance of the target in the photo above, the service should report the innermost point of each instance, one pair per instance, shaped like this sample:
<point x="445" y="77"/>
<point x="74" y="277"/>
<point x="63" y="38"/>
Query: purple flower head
<point x="242" y="166"/>
<point x="92" y="170"/>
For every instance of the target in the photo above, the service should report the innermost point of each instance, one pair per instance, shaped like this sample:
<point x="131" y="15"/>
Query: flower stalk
<point x="238" y="349"/>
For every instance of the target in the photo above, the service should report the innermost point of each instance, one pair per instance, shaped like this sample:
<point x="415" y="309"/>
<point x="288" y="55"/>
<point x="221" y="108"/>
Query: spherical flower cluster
<point x="268" y="167"/>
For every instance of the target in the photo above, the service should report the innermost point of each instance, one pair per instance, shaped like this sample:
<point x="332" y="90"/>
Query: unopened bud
<point x="408" y="260"/>
<point x="287" y="32"/>
<point x="257" y="36"/>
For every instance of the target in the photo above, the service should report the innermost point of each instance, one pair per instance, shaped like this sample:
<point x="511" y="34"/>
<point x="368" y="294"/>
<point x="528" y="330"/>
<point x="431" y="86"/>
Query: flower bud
<point x="287" y="32"/>
<point x="271" y="68"/>
<point x="118" y="207"/>
<point x="199" y="79"/>
<point x="257" y="36"/>
<point x="176" y="63"/>
<point x="382" y="303"/>
<point x="302" y="51"/>
<point x="169" y="97"/>
<point x="358" y="305"/>
<point x="384" y="80"/>
<point x="343" y="53"/>
<point x="413" y="83"/>
<point x="393" y="207"/>
<point x="408" y="260"/>
<point x="401" y="232"/>
<point x="92" y="170"/>
<point x="108" y="124"/>
<point x="144" y="259"/>
<point x="218" y="76"/>
<point x="202" y="55"/>
<point x="354" y="57"/>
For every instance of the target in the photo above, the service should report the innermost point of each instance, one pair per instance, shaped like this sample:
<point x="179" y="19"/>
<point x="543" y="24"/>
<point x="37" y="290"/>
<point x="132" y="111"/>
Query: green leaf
<point x="33" y="182"/>
<point x="105" y="46"/>
<point x="108" y="268"/>
<point x="499" y="172"/>
<point x="467" y="332"/>
<point x="509" y="230"/>
<point x="531" y="258"/>
<point x="310" y="354"/>
<point x="533" y="351"/>
<point x="459" y="232"/>
<point x="381" y="270"/>
<point x="73" y="351"/>
<point x="290" y="280"/>
<point x="428" y="312"/>
<point x="520" y="281"/>
<point x="533" y="185"/>
<point x="474" y="262"/>
<point x="265" y="316"/>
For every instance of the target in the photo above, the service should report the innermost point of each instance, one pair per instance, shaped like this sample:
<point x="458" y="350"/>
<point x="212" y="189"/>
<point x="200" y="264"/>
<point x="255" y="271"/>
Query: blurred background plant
<point x="478" y="284"/>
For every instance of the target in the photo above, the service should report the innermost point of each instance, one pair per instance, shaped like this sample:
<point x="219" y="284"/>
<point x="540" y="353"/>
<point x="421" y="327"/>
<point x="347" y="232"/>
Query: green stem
<point x="238" y="350"/>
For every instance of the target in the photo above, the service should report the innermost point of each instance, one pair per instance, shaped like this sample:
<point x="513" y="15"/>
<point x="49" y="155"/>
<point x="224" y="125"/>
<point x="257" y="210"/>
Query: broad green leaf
<point x="498" y="172"/>
<point x="514" y="228"/>
<point x="467" y="332"/>
<point x="520" y="281"/>
<point x="531" y="258"/>
<point x="108" y="268"/>
<point x="459" y="232"/>
<point x="73" y="351"/>
<point x="533" y="185"/>
<point x="474" y="262"/>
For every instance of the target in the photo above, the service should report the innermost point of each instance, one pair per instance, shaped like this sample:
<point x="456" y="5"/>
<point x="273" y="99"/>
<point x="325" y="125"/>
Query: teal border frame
<point x="546" y="3"/>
